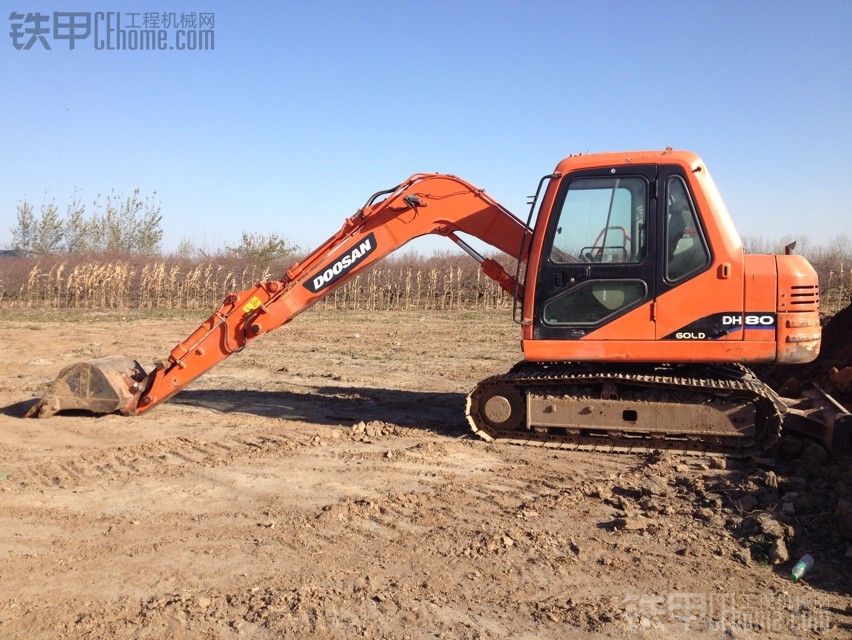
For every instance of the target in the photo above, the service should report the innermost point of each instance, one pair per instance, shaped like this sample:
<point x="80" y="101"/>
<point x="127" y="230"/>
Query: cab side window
<point x="686" y="251"/>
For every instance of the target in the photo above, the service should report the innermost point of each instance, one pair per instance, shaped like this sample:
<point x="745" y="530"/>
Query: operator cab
<point x="615" y="237"/>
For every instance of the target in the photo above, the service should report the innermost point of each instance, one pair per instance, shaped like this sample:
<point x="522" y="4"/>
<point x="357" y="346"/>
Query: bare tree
<point x="82" y="234"/>
<point x="148" y="232"/>
<point x="186" y="249"/>
<point x="127" y="225"/>
<point x="262" y="249"/>
<point x="49" y="230"/>
<point x="24" y="229"/>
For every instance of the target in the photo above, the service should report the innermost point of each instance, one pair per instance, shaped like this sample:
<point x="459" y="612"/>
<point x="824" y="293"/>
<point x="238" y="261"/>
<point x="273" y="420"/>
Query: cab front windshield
<point x="602" y="220"/>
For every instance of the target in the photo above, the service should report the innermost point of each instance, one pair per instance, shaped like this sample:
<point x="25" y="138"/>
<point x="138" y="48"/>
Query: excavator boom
<point x="423" y="204"/>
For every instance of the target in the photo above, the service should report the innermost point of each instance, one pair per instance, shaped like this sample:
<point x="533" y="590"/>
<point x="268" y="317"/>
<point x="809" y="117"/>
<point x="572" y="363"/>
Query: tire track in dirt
<point x="169" y="456"/>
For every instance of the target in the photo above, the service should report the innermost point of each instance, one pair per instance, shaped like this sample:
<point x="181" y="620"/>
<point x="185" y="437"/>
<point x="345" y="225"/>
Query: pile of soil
<point x="776" y="509"/>
<point x="832" y="370"/>
<point x="797" y="503"/>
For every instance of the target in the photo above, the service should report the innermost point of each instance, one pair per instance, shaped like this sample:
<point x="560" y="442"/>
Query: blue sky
<point x="305" y="108"/>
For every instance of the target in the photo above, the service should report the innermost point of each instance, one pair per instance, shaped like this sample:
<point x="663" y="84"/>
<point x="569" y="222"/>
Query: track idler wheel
<point x="500" y="408"/>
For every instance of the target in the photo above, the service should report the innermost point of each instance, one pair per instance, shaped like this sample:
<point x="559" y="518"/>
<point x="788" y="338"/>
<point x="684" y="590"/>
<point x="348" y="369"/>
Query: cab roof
<point x="619" y="158"/>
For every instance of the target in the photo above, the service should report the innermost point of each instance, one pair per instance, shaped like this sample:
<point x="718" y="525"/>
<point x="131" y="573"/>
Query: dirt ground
<point x="322" y="482"/>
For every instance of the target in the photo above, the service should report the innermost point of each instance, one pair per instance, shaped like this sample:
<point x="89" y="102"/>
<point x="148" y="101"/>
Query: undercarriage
<point x="628" y="408"/>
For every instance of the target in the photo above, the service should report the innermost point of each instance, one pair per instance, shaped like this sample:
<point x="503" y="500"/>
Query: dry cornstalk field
<point x="442" y="284"/>
<point x="159" y="285"/>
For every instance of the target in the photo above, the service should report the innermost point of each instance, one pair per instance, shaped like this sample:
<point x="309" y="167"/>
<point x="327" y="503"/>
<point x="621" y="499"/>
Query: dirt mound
<point x="832" y="369"/>
<point x="776" y="510"/>
<point x="782" y="509"/>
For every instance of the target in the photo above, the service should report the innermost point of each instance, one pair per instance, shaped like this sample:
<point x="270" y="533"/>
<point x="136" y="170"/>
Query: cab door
<point x="598" y="254"/>
<point x="694" y="301"/>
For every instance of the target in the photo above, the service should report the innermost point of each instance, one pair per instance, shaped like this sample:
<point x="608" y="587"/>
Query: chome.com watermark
<point x="717" y="612"/>
<point x="113" y="30"/>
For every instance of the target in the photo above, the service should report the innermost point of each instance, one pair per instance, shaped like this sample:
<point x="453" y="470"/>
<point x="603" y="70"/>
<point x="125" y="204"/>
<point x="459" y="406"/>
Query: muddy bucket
<point x="104" y="385"/>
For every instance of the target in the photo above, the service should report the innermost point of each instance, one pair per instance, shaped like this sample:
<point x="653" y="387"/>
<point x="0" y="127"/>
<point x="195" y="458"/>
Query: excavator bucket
<point x="104" y="385"/>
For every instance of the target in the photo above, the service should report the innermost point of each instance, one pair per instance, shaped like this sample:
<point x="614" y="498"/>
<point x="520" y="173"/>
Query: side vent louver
<point x="804" y="297"/>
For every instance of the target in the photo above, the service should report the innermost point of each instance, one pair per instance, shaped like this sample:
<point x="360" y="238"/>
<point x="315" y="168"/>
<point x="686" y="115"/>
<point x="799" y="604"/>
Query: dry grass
<point x="442" y="282"/>
<point x="836" y="288"/>
<point x="161" y="285"/>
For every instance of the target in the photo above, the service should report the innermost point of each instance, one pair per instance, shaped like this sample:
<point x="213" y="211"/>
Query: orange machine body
<point x="737" y="308"/>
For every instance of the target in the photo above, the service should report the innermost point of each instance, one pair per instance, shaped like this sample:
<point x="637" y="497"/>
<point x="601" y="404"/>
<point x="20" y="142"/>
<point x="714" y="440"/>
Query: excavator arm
<point x="423" y="204"/>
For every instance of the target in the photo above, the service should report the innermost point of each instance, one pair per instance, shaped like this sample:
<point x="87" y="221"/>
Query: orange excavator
<point x="636" y="302"/>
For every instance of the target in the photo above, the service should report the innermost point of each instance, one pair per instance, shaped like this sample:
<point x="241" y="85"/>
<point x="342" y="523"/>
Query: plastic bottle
<point x="804" y="563"/>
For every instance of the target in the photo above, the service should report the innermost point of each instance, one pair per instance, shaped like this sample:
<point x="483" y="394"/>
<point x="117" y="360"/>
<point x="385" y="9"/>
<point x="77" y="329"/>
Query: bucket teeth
<point x="104" y="385"/>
